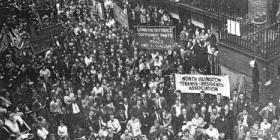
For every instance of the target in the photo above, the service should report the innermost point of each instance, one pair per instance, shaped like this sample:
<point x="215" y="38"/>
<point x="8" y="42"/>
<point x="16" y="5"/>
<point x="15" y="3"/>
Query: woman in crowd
<point x="62" y="132"/>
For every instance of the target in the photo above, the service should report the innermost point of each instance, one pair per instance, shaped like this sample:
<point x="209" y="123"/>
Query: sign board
<point x="93" y="7"/>
<point x="155" y="37"/>
<point x="211" y="84"/>
<point x="43" y="40"/>
<point x="120" y="16"/>
<point x="100" y="10"/>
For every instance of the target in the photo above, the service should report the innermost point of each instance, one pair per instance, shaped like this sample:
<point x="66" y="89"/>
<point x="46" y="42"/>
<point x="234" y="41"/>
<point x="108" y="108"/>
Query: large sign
<point x="208" y="83"/>
<point x="43" y="40"/>
<point x="155" y="37"/>
<point x="120" y="16"/>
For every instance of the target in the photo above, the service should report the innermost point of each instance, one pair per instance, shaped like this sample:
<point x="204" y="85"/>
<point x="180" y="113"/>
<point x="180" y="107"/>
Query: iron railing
<point x="237" y="30"/>
<point x="261" y="41"/>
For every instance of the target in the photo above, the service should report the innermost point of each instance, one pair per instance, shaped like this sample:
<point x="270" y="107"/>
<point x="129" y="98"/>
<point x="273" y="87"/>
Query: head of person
<point x="61" y="123"/>
<point x="157" y="95"/>
<point x="234" y="92"/>
<point x="241" y="96"/>
<point x="138" y="103"/>
<point x="270" y="105"/>
<point x="265" y="120"/>
<point x="196" y="115"/>
<point x="203" y="109"/>
<point x="211" y="126"/>
<point x="112" y="117"/>
<point x="184" y="111"/>
<point x="177" y="101"/>
<point x="194" y="106"/>
<point x="245" y="112"/>
<point x="97" y="85"/>
<point x="202" y="94"/>
<point x="164" y="137"/>
<point x="178" y="93"/>
<point x="144" y="97"/>
<point x="126" y="132"/>
<point x="219" y="96"/>
<point x="125" y="100"/>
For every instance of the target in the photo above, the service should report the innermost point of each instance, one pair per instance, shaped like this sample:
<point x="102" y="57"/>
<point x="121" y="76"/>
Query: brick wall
<point x="257" y="6"/>
<point x="272" y="69"/>
<point x="238" y="61"/>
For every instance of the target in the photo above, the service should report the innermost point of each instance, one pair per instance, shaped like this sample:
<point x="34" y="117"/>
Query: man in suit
<point x="114" y="127"/>
<point x="242" y="103"/>
<point x="123" y="120"/>
<point x="147" y="104"/>
<point x="184" y="117"/>
<point x="126" y="107"/>
<point x="162" y="91"/>
<point x="240" y="131"/>
<point x="159" y="102"/>
<point x="204" y="114"/>
<point x="193" y="110"/>
<point x="137" y="109"/>
<point x="202" y="100"/>
<point x="219" y="102"/>
<point x="235" y="97"/>
<point x="146" y="122"/>
<point x="75" y="110"/>
<point x="118" y="99"/>
<point x="246" y="118"/>
<point x="180" y="97"/>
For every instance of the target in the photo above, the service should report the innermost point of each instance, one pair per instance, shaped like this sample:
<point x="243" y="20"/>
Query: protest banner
<point x="42" y="40"/>
<point x="120" y="16"/>
<point x="210" y="84"/>
<point x="155" y="37"/>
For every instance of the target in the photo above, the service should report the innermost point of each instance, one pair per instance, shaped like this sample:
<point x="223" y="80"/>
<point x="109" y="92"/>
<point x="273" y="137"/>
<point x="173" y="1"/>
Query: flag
<point x="16" y="40"/>
<point x="255" y="81"/>
<point x="4" y="43"/>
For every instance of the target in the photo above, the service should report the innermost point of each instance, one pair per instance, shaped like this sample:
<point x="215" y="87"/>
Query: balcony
<point x="256" y="36"/>
<point x="218" y="7"/>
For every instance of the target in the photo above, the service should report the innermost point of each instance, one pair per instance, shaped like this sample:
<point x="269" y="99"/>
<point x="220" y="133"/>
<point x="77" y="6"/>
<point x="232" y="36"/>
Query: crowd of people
<point x="96" y="83"/>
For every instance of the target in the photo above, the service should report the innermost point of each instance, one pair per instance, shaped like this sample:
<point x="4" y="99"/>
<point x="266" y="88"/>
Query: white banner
<point x="211" y="84"/>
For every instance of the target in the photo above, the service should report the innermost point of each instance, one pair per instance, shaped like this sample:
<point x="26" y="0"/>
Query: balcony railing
<point x="230" y="8"/>
<point x="263" y="41"/>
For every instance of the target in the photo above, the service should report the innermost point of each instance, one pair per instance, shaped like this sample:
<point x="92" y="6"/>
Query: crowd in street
<point x="95" y="83"/>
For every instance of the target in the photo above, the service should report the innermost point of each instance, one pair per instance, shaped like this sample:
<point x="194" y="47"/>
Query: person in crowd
<point x="212" y="132"/>
<point x="242" y="103"/>
<point x="95" y="78"/>
<point x="134" y="127"/>
<point x="159" y="102"/>
<point x="114" y="127"/>
<point x="62" y="132"/>
<point x="42" y="133"/>
<point x="126" y="135"/>
<point x="156" y="130"/>
<point x="268" y="112"/>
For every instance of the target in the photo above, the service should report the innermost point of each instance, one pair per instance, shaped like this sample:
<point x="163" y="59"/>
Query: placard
<point x="155" y="37"/>
<point x="120" y="16"/>
<point x="210" y="84"/>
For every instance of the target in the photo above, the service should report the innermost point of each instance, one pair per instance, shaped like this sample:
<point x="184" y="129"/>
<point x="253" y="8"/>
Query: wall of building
<point x="239" y="62"/>
<point x="257" y="6"/>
